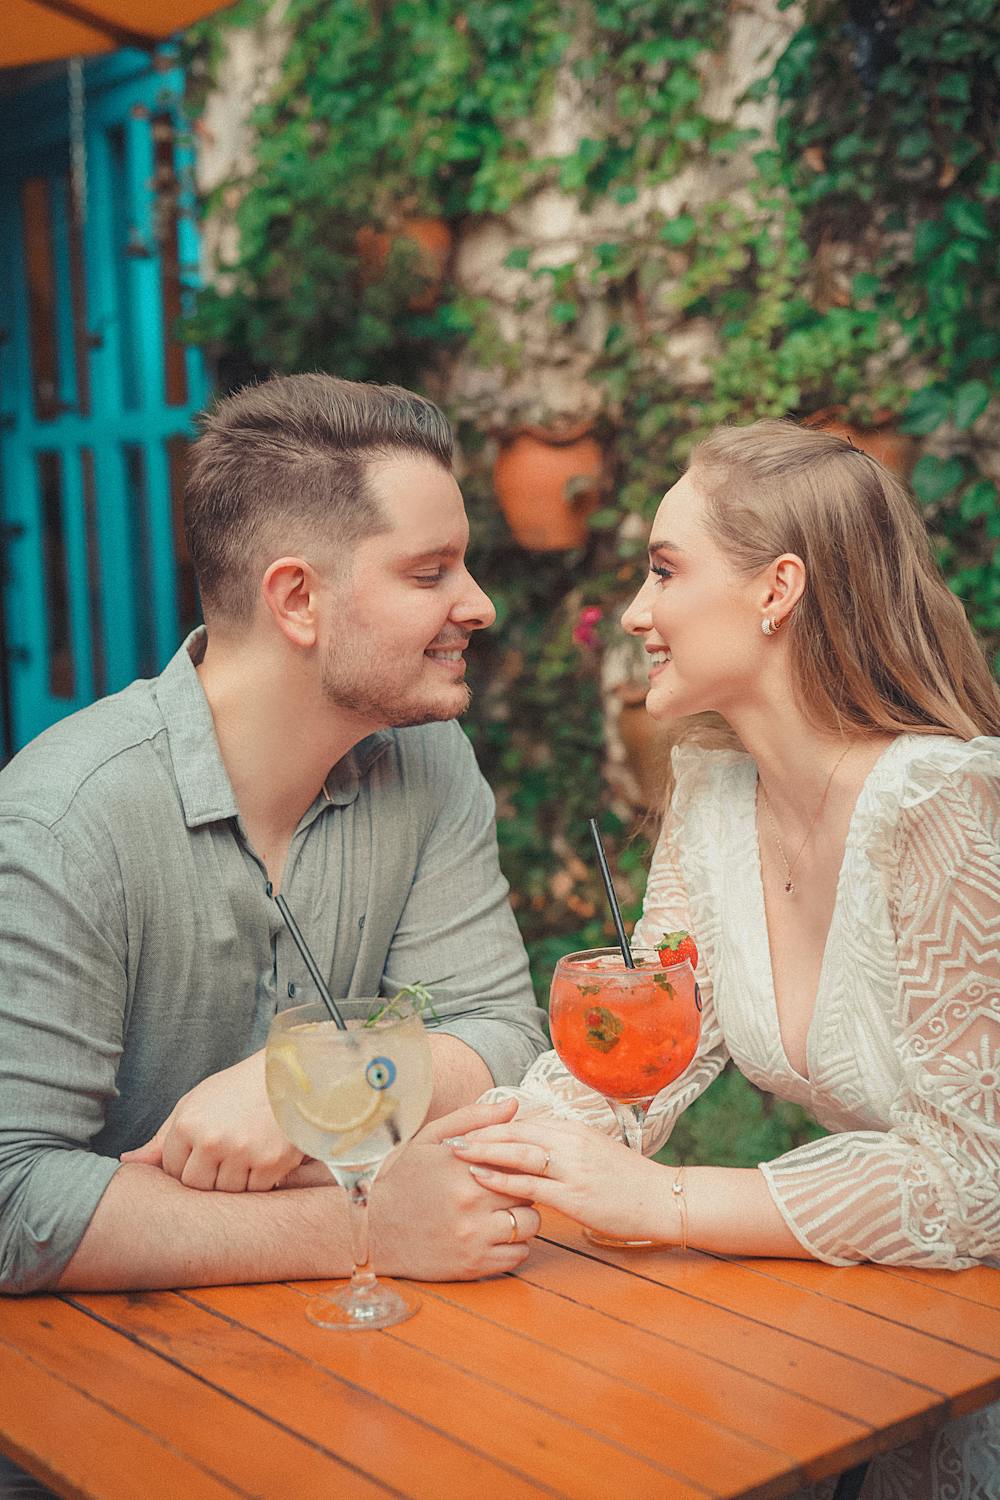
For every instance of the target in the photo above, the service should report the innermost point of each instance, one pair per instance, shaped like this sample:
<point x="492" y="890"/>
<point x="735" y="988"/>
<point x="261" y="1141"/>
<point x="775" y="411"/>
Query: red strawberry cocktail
<point x="625" y="1032"/>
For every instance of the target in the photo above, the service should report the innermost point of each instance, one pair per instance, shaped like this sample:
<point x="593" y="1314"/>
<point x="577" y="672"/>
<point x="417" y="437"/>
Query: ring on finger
<point x="512" y="1237"/>
<point x="545" y="1164"/>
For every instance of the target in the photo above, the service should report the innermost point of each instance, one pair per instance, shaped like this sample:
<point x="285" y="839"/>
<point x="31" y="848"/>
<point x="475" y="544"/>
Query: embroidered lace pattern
<point x="904" y="1045"/>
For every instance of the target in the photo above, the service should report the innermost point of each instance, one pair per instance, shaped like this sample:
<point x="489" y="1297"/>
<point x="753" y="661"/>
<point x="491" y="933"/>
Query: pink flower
<point x="584" y="631"/>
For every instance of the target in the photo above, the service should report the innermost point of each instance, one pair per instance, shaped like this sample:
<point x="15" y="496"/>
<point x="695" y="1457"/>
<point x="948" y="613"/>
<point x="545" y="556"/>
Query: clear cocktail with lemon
<point x="348" y="1098"/>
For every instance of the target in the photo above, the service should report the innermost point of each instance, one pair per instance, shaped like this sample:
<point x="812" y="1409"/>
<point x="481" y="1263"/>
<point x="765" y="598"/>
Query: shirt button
<point x="291" y="989"/>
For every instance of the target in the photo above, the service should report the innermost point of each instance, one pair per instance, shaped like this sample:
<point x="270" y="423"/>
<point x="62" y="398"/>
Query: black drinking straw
<point x="602" y="860"/>
<point x="310" y="962"/>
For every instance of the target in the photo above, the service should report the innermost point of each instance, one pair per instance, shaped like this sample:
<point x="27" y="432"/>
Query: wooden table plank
<point x="219" y="1434"/>
<point x="972" y="1325"/>
<point x="641" y="1422"/>
<point x="284" y="1383"/>
<point x="829" y="1378"/>
<point x="802" y="1310"/>
<point x="589" y="1372"/>
<point x="976" y="1284"/>
<point x="78" y="1447"/>
<point x="734" y="1399"/>
<point x="483" y="1414"/>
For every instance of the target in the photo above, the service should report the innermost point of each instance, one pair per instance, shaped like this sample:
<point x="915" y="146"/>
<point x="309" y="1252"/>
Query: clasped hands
<point x="431" y="1218"/>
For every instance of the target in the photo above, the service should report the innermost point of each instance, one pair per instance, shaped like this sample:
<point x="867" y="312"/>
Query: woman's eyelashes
<point x="662" y="572"/>
<point x="430" y="578"/>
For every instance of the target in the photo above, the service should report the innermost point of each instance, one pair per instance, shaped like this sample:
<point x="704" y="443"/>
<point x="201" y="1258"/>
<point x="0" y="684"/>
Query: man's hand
<point x="222" y="1135"/>
<point x="433" y="1222"/>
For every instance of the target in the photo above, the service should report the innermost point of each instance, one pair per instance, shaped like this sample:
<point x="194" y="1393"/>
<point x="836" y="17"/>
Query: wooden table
<point x="591" y="1374"/>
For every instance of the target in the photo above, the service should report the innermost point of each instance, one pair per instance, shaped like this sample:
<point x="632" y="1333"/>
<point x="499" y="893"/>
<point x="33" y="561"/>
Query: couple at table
<point x="833" y="844"/>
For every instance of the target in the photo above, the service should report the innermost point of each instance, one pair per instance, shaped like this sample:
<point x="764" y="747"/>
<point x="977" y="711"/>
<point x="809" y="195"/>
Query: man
<point x="302" y="742"/>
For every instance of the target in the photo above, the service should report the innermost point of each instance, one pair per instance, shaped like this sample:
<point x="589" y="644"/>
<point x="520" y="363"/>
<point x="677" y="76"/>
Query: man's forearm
<point x="149" y="1231"/>
<point x="460" y="1075"/>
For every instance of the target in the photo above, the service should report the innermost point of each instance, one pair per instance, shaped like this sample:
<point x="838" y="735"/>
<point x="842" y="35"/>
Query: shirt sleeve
<point x="925" y="1192"/>
<point x="457" y="932"/>
<point x="549" y="1088"/>
<point x="62" y="997"/>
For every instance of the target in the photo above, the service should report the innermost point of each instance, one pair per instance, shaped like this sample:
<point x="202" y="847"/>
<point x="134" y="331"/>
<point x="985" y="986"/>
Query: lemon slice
<point x="286" y="1058"/>
<point x="345" y="1107"/>
<point x="349" y="1139"/>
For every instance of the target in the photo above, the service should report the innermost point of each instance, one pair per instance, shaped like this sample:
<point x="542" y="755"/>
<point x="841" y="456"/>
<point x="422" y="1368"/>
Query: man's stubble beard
<point x="355" y="689"/>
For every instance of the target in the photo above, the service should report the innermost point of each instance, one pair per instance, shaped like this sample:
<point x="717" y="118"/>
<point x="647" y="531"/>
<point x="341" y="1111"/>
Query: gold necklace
<point x="789" y="883"/>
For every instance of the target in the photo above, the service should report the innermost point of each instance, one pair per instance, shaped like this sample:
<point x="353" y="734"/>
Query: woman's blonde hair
<point x="879" y="643"/>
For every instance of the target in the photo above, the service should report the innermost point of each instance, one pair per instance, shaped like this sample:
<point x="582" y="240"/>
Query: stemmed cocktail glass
<point x="625" y="1032"/>
<point x="348" y="1098"/>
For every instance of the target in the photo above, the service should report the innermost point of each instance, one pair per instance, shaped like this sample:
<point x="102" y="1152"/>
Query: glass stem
<point x="358" y="1185"/>
<point x="631" y="1118"/>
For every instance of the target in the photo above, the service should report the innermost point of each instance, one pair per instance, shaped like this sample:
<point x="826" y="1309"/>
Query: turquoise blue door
<point x="97" y="394"/>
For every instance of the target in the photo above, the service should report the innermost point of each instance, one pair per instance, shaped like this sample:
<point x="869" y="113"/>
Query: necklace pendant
<point x="789" y="888"/>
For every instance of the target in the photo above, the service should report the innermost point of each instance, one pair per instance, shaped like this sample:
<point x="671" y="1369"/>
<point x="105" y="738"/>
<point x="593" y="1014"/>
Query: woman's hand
<point x="569" y="1167"/>
<point x="434" y="1222"/>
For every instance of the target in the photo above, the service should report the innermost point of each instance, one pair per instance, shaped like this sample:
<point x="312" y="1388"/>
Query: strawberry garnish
<point x="675" y="947"/>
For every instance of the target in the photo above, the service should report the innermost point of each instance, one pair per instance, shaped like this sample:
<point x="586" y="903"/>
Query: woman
<point x="839" y="866"/>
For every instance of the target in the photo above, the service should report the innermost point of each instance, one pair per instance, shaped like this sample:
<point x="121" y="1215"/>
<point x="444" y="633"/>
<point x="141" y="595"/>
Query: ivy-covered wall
<point x="662" y="214"/>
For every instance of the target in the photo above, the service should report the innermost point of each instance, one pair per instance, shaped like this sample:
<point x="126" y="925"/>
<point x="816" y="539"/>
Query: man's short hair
<point x="285" y="463"/>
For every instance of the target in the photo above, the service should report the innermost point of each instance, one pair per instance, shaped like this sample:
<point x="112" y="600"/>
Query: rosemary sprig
<point x="417" y="995"/>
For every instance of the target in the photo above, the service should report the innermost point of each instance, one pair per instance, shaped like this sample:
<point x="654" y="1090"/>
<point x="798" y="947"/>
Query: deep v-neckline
<point x="758" y="916"/>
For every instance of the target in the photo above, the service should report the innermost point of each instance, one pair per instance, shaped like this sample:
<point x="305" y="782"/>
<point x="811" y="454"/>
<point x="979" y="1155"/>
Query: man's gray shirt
<point x="140" y="952"/>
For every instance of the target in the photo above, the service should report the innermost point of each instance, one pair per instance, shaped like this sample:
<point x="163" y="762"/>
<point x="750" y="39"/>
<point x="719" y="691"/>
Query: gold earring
<point x="769" y="626"/>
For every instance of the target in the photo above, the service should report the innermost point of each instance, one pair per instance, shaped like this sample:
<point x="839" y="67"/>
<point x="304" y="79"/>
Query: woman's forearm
<point x="564" y="1165"/>
<point x="729" y="1210"/>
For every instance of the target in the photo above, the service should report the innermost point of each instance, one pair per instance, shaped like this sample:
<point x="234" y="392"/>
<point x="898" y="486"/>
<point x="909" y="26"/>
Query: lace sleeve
<point x="925" y="1193"/>
<point x="666" y="909"/>
<point x="548" y="1088"/>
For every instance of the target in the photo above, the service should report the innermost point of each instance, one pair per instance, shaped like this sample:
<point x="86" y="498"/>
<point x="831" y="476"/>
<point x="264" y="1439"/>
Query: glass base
<point x="380" y="1306"/>
<point x="612" y="1242"/>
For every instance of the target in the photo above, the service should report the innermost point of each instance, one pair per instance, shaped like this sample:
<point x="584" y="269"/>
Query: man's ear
<point x="290" y="590"/>
<point x="784" y="584"/>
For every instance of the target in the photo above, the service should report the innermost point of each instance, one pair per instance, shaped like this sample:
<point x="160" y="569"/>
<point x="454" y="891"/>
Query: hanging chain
<point x="77" y="140"/>
<point x="790" y="867"/>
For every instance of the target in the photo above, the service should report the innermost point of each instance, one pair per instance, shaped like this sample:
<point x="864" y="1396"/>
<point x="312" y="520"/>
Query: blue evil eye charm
<point x="381" y="1072"/>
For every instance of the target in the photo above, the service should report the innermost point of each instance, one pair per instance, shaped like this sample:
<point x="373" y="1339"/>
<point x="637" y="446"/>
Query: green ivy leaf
<point x="971" y="400"/>
<point x="518" y="259"/>
<point x="954" y="86"/>
<point x="934" y="477"/>
<point x="990" y="185"/>
<point x="847" y="147"/>
<point x="968" y="218"/>
<point x="679" y="231"/>
<point x="980" y="499"/>
<point x="928" y="239"/>
<point x="927" y="410"/>
<point x="865" y="285"/>
<point x="914" y="145"/>
<point x="982" y="345"/>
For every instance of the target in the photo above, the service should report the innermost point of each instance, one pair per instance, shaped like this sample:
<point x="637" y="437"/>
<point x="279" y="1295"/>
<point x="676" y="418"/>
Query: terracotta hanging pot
<point x="884" y="442"/>
<point x="433" y="239"/>
<point x="548" y="483"/>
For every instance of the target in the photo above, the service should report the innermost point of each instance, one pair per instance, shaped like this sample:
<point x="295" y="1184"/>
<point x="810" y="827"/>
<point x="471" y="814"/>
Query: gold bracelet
<point x="677" y="1188"/>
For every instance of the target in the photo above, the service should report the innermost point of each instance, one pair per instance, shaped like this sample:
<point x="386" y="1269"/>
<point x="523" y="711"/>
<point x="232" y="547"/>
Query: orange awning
<point x="36" y="31"/>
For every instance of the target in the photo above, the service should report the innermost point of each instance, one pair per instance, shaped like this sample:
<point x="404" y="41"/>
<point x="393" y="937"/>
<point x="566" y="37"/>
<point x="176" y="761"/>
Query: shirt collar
<point x="205" y="790"/>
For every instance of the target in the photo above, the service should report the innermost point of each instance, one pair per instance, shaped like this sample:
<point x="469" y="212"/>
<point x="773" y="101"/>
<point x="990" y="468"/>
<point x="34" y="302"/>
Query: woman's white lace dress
<point x="904" y="1046"/>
